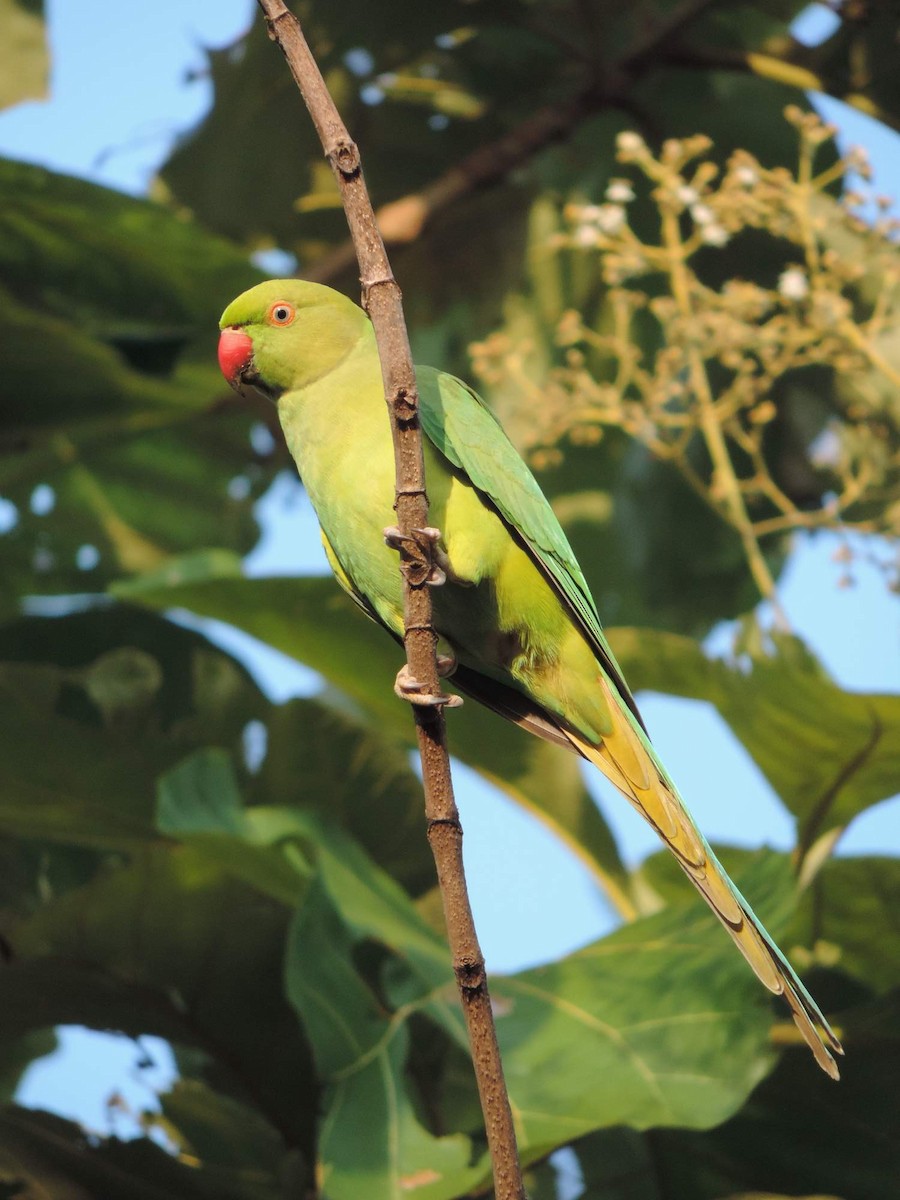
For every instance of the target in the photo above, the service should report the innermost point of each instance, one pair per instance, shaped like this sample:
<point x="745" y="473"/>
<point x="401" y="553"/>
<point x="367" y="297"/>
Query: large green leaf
<point x="111" y="264"/>
<point x="848" y="919"/>
<point x="829" y="754"/>
<point x="42" y="1155"/>
<point x="587" y="1042"/>
<point x="372" y="1144"/>
<point x="315" y="623"/>
<point x="95" y="706"/>
<point x="113" y="408"/>
<point x="200" y="802"/>
<point x="170" y="944"/>
<point x="799" y="1133"/>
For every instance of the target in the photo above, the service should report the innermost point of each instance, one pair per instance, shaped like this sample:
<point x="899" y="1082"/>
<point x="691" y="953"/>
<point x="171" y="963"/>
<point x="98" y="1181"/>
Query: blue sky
<point x="119" y="99"/>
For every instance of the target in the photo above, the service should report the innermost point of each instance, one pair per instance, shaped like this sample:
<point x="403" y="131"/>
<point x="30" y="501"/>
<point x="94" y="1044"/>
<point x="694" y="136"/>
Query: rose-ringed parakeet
<point x="515" y="618"/>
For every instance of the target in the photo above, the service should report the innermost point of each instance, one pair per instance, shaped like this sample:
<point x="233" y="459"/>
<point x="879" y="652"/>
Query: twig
<point x="382" y="299"/>
<point x="725" y="485"/>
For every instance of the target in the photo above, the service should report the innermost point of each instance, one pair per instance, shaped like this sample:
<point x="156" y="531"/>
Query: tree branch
<point x="402" y="221"/>
<point x="381" y="296"/>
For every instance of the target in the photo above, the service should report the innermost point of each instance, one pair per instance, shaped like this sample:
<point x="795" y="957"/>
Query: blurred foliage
<point x="109" y="307"/>
<point x="23" y="52"/>
<point x="249" y="880"/>
<point x="712" y="372"/>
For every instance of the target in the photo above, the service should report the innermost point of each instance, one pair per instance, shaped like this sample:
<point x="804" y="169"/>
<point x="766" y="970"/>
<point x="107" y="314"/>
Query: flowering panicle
<point x="715" y="368"/>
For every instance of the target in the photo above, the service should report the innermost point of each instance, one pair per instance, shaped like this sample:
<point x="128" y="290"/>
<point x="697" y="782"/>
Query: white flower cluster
<point x="602" y="218"/>
<point x="793" y="284"/>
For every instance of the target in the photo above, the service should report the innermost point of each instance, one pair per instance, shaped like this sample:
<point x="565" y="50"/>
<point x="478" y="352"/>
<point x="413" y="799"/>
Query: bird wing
<point x="456" y="420"/>
<point x="460" y="425"/>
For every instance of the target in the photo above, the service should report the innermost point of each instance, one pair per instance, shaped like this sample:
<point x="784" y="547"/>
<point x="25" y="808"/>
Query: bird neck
<point x="337" y="419"/>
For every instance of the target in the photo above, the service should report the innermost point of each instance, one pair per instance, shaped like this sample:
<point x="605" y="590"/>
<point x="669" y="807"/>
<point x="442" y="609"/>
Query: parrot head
<point x="284" y="334"/>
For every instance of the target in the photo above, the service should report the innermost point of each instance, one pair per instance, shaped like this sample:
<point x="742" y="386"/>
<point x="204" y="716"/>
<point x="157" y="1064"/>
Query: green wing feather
<point x="460" y="425"/>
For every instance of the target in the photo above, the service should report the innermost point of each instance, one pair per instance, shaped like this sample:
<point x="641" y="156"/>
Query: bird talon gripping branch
<point x="421" y="563"/>
<point x="415" y="692"/>
<point x="395" y="539"/>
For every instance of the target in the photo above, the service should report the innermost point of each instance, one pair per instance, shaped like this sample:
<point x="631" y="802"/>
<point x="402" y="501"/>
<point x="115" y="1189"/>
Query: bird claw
<point x="394" y="538"/>
<point x="415" y="692"/>
<point x="411" y="545"/>
<point x="446" y="665"/>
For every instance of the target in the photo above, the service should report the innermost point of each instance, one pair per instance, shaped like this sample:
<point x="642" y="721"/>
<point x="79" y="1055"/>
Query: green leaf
<point x="589" y="1041"/>
<point x="320" y="761"/>
<point x="349" y="774"/>
<point x="110" y="307"/>
<point x="372" y="1145"/>
<point x="43" y="1155"/>
<point x="229" y="1139"/>
<point x="847" y="920"/>
<point x="152" y="271"/>
<point x="94" y="706"/>
<point x="315" y="623"/>
<point x="800" y="1133"/>
<point x="24" y="61"/>
<point x="586" y="1042"/>
<point x="829" y="754"/>
<point x="199" y="801"/>
<point x="170" y="944"/>
<point x="594" y="1040"/>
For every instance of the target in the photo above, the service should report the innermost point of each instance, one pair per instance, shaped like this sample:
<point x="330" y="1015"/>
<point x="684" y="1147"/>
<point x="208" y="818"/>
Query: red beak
<point x="235" y="353"/>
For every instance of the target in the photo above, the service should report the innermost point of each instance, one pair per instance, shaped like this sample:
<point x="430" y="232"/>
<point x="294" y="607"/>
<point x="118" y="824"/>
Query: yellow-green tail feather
<point x="627" y="760"/>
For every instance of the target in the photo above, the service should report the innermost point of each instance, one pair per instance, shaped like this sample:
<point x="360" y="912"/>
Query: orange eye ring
<point x="281" y="313"/>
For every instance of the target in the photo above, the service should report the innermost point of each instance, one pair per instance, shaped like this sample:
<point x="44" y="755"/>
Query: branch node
<point x="451" y="823"/>
<point x="405" y="404"/>
<point x="343" y="155"/>
<point x="470" y="977"/>
<point x="417" y="555"/>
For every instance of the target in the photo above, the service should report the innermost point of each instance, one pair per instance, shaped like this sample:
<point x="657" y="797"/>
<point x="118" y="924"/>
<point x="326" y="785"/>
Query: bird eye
<point x="281" y="313"/>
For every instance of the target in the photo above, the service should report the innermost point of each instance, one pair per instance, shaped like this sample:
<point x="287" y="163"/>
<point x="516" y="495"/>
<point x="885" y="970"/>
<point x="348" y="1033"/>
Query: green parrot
<point x="518" y="627"/>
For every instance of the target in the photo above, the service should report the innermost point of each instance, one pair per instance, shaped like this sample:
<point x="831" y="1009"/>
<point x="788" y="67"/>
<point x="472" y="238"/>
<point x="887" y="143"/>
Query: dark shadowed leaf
<point x="848" y="919"/>
<point x="172" y="934"/>
<point x="337" y="767"/>
<point x="42" y="1156"/>
<point x="97" y="704"/>
<point x="799" y="1132"/>
<point x="113" y="409"/>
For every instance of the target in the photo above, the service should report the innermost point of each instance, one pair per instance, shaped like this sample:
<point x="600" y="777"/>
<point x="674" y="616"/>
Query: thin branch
<point x="725" y="484"/>
<point x="382" y="299"/>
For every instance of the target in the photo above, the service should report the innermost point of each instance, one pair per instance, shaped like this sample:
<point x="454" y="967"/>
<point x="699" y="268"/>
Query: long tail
<point x="628" y="760"/>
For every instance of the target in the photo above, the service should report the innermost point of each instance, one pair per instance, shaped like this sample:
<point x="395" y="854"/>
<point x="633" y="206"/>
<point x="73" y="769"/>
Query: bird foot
<point x="415" y="692"/>
<point x="425" y="562"/>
